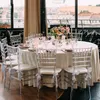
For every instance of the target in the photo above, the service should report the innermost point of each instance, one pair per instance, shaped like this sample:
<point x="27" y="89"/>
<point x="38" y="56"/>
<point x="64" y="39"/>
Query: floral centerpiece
<point x="59" y="31"/>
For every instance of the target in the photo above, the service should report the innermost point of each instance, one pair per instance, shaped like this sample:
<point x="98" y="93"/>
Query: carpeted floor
<point x="82" y="94"/>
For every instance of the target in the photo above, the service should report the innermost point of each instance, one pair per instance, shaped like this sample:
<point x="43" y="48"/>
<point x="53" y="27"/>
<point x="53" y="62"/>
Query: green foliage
<point x="98" y="5"/>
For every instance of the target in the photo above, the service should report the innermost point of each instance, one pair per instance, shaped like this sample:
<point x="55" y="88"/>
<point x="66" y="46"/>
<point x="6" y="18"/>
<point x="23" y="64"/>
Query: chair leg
<point x="56" y="87"/>
<point x="38" y="95"/>
<point x="71" y="92"/>
<point x="89" y="89"/>
<point x="20" y="87"/>
<point x="88" y="79"/>
<point x="56" y="92"/>
<point x="4" y="78"/>
<point x="3" y="74"/>
<point x="38" y="86"/>
<point x="89" y="93"/>
<point x="9" y="82"/>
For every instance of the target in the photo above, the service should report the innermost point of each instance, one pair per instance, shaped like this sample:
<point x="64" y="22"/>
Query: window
<point x="88" y="13"/>
<point x="60" y="12"/>
<point x="18" y="13"/>
<point x="12" y="14"/>
<point x="5" y="14"/>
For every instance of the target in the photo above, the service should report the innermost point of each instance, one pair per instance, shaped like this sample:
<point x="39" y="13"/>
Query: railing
<point x="81" y="22"/>
<point x="18" y="22"/>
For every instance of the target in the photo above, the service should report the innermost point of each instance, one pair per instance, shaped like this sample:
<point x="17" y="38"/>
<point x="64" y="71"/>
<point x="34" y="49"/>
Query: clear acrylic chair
<point x="6" y="61"/>
<point x="4" y="40"/>
<point x="81" y="65"/>
<point x="15" y="40"/>
<point x="18" y="72"/>
<point x="97" y="42"/>
<point x="3" y="64"/>
<point x="46" y="65"/>
<point x="4" y="46"/>
<point x="77" y="35"/>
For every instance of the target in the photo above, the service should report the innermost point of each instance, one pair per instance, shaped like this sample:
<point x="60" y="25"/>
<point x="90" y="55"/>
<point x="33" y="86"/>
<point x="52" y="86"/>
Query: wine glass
<point x="73" y="42"/>
<point x="63" y="38"/>
<point x="58" y="44"/>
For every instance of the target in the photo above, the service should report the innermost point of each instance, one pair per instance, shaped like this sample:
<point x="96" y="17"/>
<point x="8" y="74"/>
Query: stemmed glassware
<point x="73" y="42"/>
<point x="58" y="44"/>
<point x="27" y="42"/>
<point x="52" y="38"/>
<point x="42" y="39"/>
<point x="46" y="42"/>
<point x="63" y="38"/>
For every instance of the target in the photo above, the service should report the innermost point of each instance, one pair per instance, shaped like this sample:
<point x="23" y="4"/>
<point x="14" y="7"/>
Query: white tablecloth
<point x="28" y="57"/>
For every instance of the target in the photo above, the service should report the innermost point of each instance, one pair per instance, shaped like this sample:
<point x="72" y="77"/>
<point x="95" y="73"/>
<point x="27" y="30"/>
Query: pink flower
<point x="67" y="29"/>
<point x="60" y="30"/>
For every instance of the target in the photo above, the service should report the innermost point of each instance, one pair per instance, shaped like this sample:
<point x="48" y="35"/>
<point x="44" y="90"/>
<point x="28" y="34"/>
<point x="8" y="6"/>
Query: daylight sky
<point x="7" y="3"/>
<point x="50" y="3"/>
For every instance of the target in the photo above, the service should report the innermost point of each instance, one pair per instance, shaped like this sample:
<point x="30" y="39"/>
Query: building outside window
<point x="18" y="13"/>
<point x="5" y="15"/>
<point x="60" y="12"/>
<point x="88" y="13"/>
<point x="63" y="12"/>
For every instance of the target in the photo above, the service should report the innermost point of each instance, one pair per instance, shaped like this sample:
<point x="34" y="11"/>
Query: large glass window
<point x="5" y="14"/>
<point x="60" y="12"/>
<point x="11" y="14"/>
<point x="88" y="13"/>
<point x="18" y="13"/>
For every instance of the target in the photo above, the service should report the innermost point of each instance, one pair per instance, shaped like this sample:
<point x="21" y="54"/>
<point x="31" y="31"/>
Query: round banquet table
<point x="28" y="57"/>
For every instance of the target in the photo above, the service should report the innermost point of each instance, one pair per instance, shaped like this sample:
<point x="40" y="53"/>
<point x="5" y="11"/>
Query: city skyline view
<point x="66" y="11"/>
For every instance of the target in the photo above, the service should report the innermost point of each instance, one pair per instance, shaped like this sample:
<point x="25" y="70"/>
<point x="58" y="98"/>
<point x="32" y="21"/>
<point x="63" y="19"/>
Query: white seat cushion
<point x="13" y="62"/>
<point x="24" y="67"/>
<point x="78" y="70"/>
<point x="13" y="57"/>
<point x="49" y="71"/>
